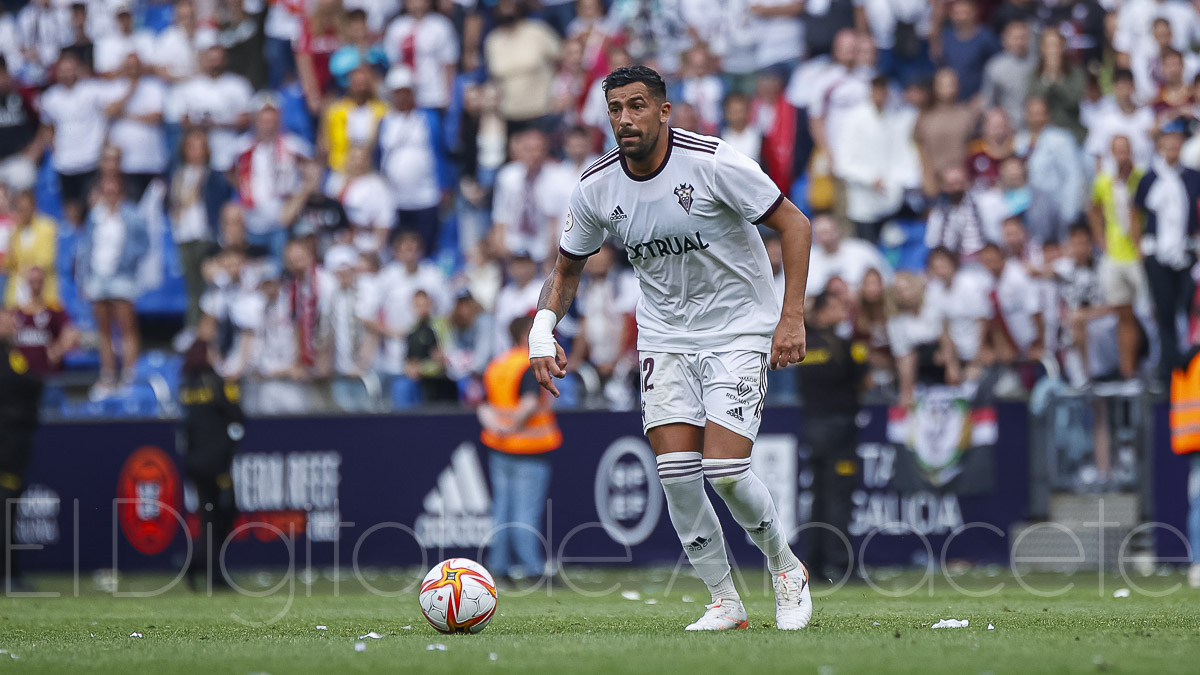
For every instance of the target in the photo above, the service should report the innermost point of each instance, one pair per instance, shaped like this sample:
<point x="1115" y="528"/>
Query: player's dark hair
<point x="519" y="328"/>
<point x="622" y="77"/>
<point x="1122" y="74"/>
<point x="356" y="14"/>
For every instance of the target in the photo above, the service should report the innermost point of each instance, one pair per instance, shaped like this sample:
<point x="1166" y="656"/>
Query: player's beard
<point x="642" y="149"/>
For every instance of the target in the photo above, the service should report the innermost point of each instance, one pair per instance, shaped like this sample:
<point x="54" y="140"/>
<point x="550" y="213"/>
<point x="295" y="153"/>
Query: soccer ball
<point x="458" y="596"/>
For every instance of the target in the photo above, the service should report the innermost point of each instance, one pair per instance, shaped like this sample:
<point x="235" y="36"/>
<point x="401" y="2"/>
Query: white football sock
<point x="695" y="521"/>
<point x="752" y="506"/>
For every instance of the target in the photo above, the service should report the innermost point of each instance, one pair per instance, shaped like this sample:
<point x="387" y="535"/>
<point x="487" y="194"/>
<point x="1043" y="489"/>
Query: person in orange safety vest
<point x="1185" y="439"/>
<point x="520" y="428"/>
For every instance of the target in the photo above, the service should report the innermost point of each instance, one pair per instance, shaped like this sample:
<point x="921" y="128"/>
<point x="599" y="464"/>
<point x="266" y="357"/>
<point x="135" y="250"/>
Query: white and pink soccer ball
<point x="458" y="596"/>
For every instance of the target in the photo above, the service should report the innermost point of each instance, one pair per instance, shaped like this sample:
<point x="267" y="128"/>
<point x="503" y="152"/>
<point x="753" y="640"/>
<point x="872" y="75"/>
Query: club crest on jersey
<point x="684" y="193"/>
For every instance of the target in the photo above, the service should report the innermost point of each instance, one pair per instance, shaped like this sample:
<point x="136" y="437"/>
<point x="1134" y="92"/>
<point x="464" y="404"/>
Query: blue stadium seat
<point x="156" y="16"/>
<point x="169" y="298"/>
<point x="405" y="394"/>
<point x="294" y="112"/>
<point x="909" y="255"/>
<point x="81" y="360"/>
<point x="136" y="401"/>
<point x="49" y="200"/>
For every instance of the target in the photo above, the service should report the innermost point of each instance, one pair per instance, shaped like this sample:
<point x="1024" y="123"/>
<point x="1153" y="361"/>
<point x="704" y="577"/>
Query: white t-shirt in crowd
<point x="850" y="263"/>
<point x="961" y="305"/>
<point x="45" y="30"/>
<point x="285" y="19"/>
<point x="527" y="218"/>
<point x="512" y="302"/>
<point x="907" y="331"/>
<point x="1020" y="300"/>
<point x="392" y="305"/>
<point x="605" y="304"/>
<point x="1135" y="24"/>
<point x="109" y="52"/>
<point x="340" y="312"/>
<point x="268" y="176"/>
<point x="191" y="224"/>
<point x="778" y="39"/>
<point x="77" y="115"/>
<point x="837" y="91"/>
<point x="426" y="46"/>
<point x="143" y="146"/>
<point x="706" y="95"/>
<point x="408" y="160"/>
<point x="1110" y="121"/>
<point x="221" y="100"/>
<point x="748" y="141"/>
<point x="706" y="281"/>
<point x="883" y="15"/>
<point x="274" y="329"/>
<point x="107" y="240"/>
<point x="367" y="199"/>
<point x="177" y="52"/>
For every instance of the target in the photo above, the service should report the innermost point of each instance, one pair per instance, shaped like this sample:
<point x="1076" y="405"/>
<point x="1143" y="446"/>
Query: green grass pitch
<point x="856" y="629"/>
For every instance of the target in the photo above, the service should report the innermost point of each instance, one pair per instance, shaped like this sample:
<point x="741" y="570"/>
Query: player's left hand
<point x="787" y="346"/>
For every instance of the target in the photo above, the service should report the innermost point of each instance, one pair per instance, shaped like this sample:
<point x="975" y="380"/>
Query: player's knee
<point x="724" y="475"/>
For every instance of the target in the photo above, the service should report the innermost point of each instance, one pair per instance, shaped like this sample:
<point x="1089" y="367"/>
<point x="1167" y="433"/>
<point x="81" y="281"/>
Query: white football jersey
<point x="705" y="278"/>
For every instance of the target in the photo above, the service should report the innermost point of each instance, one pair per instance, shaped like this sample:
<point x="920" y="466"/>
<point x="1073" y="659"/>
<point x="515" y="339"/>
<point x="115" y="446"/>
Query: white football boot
<point x="722" y="615"/>
<point x="793" y="602"/>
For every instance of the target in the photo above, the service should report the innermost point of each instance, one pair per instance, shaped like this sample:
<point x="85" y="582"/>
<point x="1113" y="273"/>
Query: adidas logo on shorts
<point x="736" y="413"/>
<point x="617" y="214"/>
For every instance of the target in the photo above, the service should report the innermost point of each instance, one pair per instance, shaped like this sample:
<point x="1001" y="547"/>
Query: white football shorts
<point x="728" y="388"/>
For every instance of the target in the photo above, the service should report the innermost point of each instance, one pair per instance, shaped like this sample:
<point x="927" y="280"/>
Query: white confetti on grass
<point x="360" y="646"/>
<point x="874" y="623"/>
<point x="408" y="627"/>
<point x="688" y="598"/>
<point x="136" y="635"/>
<point x="631" y="595"/>
<point x="652" y="601"/>
<point x="373" y="635"/>
<point x="493" y="656"/>
<point x="991" y="627"/>
<point x="952" y="623"/>
<point x="435" y="647"/>
<point x="1121" y="593"/>
<point x="322" y="627"/>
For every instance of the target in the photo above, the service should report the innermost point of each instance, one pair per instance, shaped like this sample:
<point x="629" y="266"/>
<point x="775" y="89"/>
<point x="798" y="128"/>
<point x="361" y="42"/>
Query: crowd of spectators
<point x="356" y="187"/>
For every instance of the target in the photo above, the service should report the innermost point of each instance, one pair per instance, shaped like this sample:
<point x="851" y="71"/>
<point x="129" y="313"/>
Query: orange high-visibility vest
<point x="502" y="383"/>
<point x="1185" y="407"/>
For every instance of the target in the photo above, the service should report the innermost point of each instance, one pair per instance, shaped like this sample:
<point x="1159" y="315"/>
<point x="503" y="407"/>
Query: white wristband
<point x="541" y="336"/>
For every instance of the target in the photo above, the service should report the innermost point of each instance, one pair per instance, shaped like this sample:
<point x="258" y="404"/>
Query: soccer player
<point x="709" y="323"/>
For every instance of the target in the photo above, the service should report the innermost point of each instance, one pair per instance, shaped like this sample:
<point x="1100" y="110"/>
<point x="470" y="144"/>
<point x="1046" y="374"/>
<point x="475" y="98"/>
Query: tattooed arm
<point x="546" y="357"/>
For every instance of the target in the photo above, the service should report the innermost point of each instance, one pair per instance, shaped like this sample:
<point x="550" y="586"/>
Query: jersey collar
<point x="652" y="174"/>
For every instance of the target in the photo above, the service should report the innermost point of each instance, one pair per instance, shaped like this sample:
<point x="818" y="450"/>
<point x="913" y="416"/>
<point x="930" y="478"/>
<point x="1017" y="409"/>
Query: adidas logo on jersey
<point x="617" y="214"/>
<point x="736" y="413"/>
<point x="458" y="509"/>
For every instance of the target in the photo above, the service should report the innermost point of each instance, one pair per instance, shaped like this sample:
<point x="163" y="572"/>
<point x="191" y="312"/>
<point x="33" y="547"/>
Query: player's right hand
<point x="545" y="369"/>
